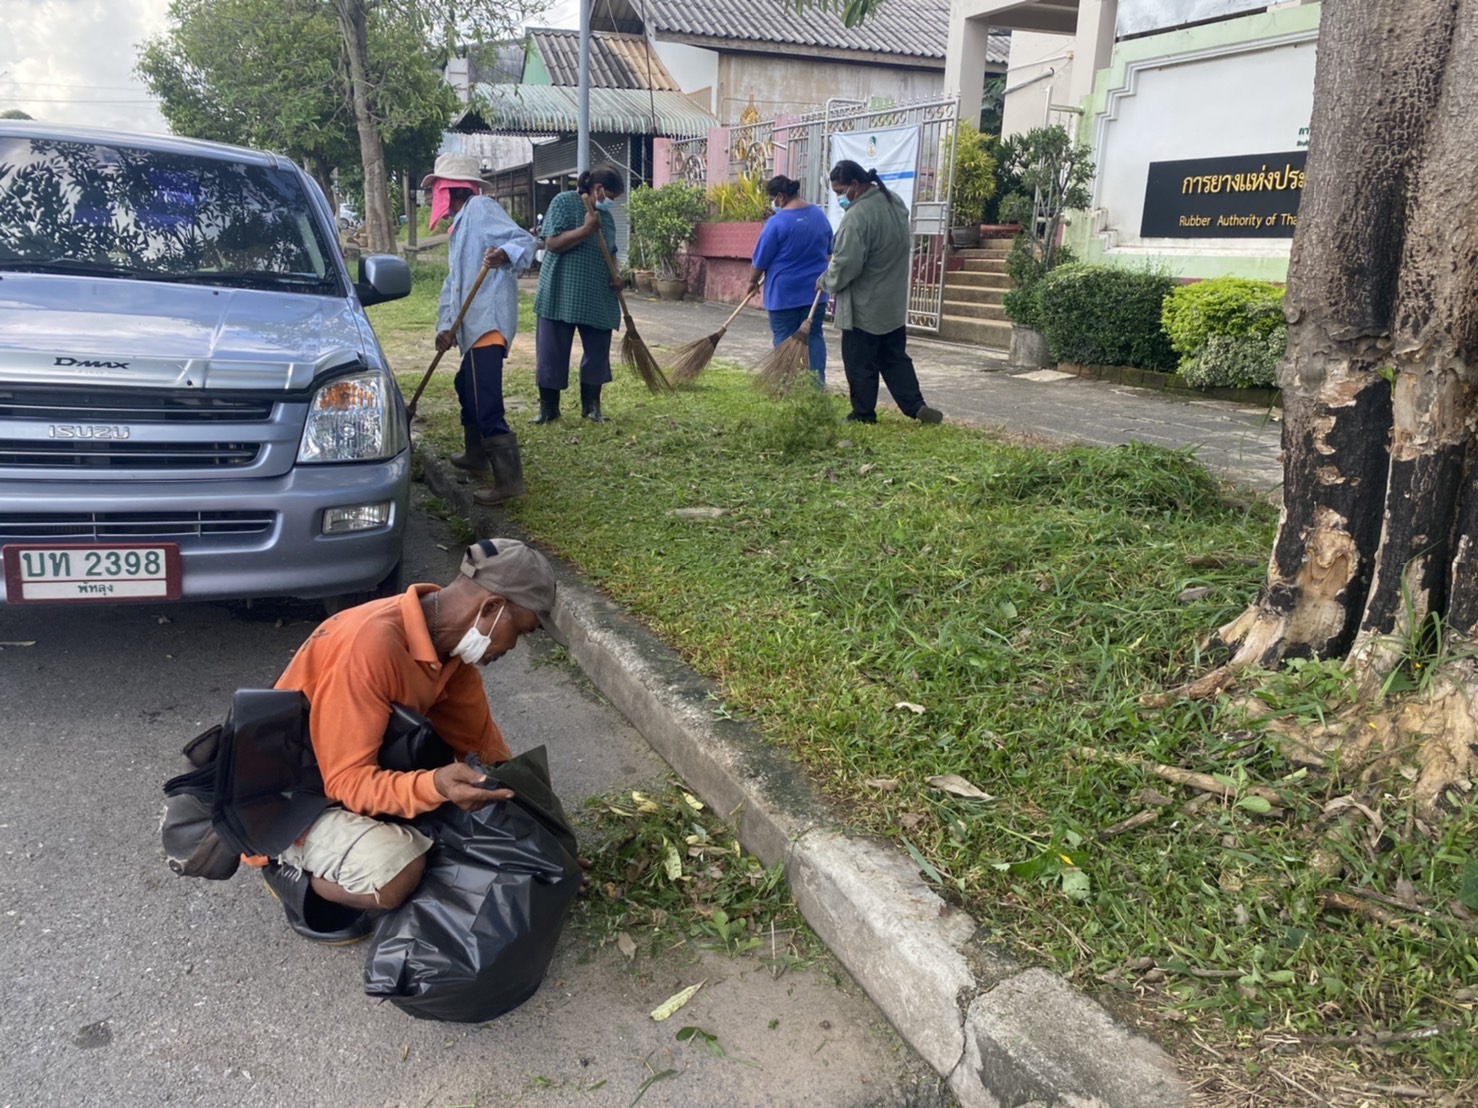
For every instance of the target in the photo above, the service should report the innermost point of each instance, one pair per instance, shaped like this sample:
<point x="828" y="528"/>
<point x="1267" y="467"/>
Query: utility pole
<point x="582" y="154"/>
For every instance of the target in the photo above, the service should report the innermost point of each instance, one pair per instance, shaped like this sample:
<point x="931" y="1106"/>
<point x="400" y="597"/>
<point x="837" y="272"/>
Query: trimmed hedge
<point x="1105" y="315"/>
<point x="1238" y="361"/>
<point x="1230" y="306"/>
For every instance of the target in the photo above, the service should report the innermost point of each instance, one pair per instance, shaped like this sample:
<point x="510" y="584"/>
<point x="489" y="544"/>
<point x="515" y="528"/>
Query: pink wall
<point x="661" y="162"/>
<point x="717" y="263"/>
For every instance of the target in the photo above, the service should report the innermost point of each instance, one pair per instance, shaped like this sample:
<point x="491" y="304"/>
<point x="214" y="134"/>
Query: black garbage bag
<point x="477" y="937"/>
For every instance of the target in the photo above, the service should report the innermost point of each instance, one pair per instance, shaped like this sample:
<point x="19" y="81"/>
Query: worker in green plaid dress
<point x="577" y="292"/>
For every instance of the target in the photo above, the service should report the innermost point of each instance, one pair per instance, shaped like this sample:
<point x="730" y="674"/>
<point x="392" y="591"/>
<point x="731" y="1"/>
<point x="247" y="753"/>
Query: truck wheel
<point x="390" y="586"/>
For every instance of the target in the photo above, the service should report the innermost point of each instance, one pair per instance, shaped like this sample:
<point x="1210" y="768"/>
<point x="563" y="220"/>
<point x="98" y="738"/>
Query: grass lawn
<point x="895" y="604"/>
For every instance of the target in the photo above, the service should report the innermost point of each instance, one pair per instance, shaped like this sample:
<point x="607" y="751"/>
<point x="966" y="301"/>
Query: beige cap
<point x="462" y="168"/>
<point x="516" y="572"/>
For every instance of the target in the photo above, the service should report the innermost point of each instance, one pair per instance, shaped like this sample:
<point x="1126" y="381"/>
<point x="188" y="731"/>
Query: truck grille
<point x="112" y="454"/>
<point x="108" y="406"/>
<point x="31" y="526"/>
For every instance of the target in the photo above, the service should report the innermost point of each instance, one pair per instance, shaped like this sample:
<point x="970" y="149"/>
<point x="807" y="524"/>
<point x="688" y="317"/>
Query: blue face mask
<point x="843" y="202"/>
<point x="602" y="205"/>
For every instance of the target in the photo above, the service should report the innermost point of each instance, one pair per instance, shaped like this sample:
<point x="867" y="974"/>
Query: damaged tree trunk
<point x="1375" y="548"/>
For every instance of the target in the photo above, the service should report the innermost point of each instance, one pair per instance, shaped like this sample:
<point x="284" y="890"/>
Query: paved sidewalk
<point x="974" y="385"/>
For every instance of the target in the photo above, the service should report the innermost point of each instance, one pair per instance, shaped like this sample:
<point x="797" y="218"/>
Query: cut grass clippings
<point x="843" y="577"/>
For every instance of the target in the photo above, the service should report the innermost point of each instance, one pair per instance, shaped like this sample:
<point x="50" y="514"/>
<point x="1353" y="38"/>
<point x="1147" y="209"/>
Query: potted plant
<point x="662" y="219"/>
<point x="1054" y="172"/>
<point x="972" y="184"/>
<point x="642" y="274"/>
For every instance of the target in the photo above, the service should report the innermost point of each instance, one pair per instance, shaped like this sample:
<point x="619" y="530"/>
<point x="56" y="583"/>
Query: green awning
<point x="554" y="110"/>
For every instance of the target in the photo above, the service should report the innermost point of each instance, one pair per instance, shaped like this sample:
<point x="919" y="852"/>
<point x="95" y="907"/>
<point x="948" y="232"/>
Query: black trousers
<point x="554" y="339"/>
<point x="479" y="384"/>
<point x="865" y="358"/>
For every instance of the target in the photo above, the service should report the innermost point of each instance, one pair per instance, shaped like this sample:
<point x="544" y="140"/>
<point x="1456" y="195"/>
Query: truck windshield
<point x="101" y="210"/>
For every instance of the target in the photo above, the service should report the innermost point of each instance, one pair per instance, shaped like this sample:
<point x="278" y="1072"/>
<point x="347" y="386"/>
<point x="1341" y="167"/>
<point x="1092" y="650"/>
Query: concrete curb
<point x="1002" y="1035"/>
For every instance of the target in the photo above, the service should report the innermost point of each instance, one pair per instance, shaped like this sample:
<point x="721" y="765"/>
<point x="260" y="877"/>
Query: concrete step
<point x="974" y="294"/>
<point x="980" y="332"/>
<point x="985" y="265"/>
<point x="988" y="248"/>
<point x="967" y="309"/>
<point x="966" y="279"/>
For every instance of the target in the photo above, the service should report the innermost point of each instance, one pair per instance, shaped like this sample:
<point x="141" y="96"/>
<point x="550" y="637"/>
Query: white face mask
<point x="474" y="643"/>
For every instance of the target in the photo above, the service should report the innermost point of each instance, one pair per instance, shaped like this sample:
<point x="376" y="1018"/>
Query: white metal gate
<point x="808" y="143"/>
<point x="801" y="148"/>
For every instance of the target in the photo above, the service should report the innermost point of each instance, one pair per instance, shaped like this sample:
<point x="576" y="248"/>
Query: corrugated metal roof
<point x="616" y="61"/>
<point x="552" y="110"/>
<point x="905" y="28"/>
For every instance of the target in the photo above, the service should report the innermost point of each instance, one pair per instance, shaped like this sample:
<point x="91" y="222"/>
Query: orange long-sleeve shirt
<point x="352" y="668"/>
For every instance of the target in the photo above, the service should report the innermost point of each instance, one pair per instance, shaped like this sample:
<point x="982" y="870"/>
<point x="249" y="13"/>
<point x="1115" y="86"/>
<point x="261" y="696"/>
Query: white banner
<point x="894" y="153"/>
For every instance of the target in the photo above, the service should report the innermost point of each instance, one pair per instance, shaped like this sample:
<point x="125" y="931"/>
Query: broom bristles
<point x="693" y="358"/>
<point x="634" y="353"/>
<point x="786" y="364"/>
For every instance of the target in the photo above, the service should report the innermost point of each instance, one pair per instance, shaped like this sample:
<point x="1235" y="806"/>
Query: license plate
<point x="125" y="571"/>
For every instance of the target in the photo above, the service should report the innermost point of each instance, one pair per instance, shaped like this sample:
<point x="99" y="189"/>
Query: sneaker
<point x="317" y="920"/>
<point x="927" y="414"/>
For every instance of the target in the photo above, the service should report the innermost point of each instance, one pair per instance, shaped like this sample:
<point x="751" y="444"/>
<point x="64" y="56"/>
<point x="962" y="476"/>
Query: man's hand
<point x="461" y="785"/>
<point x="496" y="256"/>
<point x="445" y="340"/>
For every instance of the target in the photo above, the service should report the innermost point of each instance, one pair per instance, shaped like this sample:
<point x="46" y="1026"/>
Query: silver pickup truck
<point x="192" y="403"/>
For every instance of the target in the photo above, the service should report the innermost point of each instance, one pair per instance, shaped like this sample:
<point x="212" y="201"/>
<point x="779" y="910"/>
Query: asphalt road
<point x="123" y="985"/>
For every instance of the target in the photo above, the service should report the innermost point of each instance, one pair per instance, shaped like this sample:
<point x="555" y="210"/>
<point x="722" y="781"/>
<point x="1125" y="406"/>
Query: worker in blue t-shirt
<point x="791" y="254"/>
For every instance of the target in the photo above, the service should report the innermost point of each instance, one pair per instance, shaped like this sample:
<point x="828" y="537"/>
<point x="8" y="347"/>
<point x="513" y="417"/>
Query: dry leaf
<point x="626" y="945"/>
<point x="956" y="785"/>
<point x="1190" y="595"/>
<point x="693" y="802"/>
<point x="676" y="1001"/>
<point x="863" y="471"/>
<point x="916" y="709"/>
<point x="163" y="619"/>
<point x="909" y="820"/>
<point x="886" y="784"/>
<point x="699" y="513"/>
<point x="31" y="643"/>
<point x="673" y="863"/>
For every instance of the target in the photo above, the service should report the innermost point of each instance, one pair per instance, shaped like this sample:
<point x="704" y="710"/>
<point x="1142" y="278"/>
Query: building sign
<point x="894" y="153"/>
<point x="1254" y="196"/>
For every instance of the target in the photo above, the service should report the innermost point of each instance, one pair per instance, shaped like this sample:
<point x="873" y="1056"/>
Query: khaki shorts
<point x="357" y="853"/>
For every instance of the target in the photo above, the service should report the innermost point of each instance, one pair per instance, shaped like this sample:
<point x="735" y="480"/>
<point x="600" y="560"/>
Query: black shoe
<point x="927" y="414"/>
<point x="590" y="403"/>
<point x="858" y="417"/>
<point x="548" y="405"/>
<point x="317" y="920"/>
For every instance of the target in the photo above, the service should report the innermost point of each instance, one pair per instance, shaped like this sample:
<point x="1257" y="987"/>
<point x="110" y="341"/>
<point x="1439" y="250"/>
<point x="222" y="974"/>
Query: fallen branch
<point x="1214" y="683"/>
<point x="1377" y="1038"/>
<point x="1344" y="902"/>
<point x="1141" y="819"/>
<point x="1203" y="782"/>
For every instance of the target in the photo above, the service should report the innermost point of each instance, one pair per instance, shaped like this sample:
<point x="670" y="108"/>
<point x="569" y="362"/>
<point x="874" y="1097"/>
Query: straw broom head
<point x="785" y="365"/>
<point x="693" y="358"/>
<point x="634" y="353"/>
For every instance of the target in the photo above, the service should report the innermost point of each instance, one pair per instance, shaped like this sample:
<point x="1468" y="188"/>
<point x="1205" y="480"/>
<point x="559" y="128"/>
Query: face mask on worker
<point x="777" y="204"/>
<point x="603" y="204"/>
<point x="844" y="202"/>
<point x="474" y="643"/>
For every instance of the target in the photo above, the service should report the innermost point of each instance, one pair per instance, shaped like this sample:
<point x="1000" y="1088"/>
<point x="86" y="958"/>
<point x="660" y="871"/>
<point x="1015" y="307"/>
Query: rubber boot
<point x="590" y="403"/>
<point x="502" y="451"/>
<point x="548" y="405"/>
<point x="473" y="458"/>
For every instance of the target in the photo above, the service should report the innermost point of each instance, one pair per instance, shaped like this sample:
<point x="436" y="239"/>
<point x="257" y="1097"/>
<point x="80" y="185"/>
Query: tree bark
<point x="1379" y="514"/>
<point x="379" y="225"/>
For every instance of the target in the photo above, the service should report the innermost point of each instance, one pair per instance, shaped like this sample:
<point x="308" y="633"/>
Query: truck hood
<point x="102" y="331"/>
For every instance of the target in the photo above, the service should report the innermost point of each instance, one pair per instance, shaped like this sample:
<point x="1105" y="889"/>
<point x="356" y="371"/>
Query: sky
<point x="71" y="61"/>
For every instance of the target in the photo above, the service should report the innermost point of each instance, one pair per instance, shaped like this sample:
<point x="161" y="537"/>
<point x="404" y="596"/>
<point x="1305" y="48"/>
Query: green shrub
<point x="1105" y="315"/>
<point x="1238" y="361"/>
<point x="1022" y="300"/>
<point x="1233" y="306"/>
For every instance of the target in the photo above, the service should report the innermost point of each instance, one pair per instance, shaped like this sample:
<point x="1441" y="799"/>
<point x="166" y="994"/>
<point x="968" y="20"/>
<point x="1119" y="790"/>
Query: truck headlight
<point x="351" y="419"/>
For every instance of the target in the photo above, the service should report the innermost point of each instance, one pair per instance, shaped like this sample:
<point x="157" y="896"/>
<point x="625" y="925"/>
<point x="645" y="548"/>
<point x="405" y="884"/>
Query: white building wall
<point x="1256" y="99"/>
<point x="694" y="69"/>
<point x="1041" y="68"/>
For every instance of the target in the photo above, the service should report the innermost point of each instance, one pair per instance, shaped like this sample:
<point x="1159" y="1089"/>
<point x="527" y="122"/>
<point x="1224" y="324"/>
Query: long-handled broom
<point x="634" y="352"/>
<point x="783" y="366"/>
<point x="693" y="358"/>
<point x="410" y="409"/>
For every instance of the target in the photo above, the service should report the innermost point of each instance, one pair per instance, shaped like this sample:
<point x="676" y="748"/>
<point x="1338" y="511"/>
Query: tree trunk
<point x="1379" y="516"/>
<point x="379" y="225"/>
